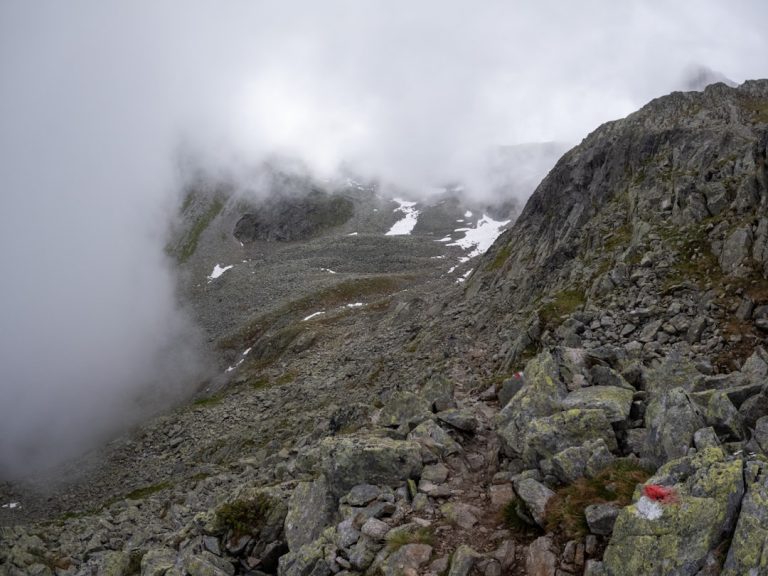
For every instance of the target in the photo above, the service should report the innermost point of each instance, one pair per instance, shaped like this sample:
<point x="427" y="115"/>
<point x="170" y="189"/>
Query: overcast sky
<point x="96" y="97"/>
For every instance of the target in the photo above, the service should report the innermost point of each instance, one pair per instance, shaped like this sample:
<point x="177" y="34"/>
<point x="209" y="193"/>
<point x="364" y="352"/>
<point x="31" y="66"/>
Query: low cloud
<point x="97" y="98"/>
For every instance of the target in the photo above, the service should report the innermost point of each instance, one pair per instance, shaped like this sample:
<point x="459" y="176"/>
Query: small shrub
<point x="514" y="515"/>
<point x="141" y="493"/>
<point x="209" y="400"/>
<point x="242" y="517"/>
<point x="615" y="484"/>
<point x="402" y="537"/>
<point x="562" y="304"/>
<point x="500" y="258"/>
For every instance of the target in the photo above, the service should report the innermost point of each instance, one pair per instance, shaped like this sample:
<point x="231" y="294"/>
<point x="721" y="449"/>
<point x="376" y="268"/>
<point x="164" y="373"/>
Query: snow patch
<point x="11" y="505"/>
<point x="328" y="270"/>
<point x="355" y="305"/>
<point x="405" y="225"/>
<point x="649" y="509"/>
<point x="218" y="271"/>
<point x="247" y="351"/>
<point x="313" y="315"/>
<point x="480" y="238"/>
<point x="231" y="368"/>
<point x="464" y="276"/>
<point x="352" y="234"/>
<point x="446" y="239"/>
<point x="468" y="214"/>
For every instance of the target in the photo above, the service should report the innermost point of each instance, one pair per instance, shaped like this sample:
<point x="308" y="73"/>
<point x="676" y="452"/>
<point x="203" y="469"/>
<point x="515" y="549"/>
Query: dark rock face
<point x="287" y="219"/>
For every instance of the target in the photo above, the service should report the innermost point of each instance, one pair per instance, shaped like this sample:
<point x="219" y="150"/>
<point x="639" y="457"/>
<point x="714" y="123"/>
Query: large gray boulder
<point x="432" y="437"/>
<point x="748" y="553"/>
<point x="545" y="437"/>
<point x="309" y="560"/>
<point x="672" y="420"/>
<point x="310" y="510"/>
<point x="406" y="560"/>
<point x="536" y="496"/>
<point x="541" y="395"/>
<point x="582" y="461"/>
<point x="675" y="538"/>
<point x="612" y="400"/>
<point x="734" y="257"/>
<point x="438" y="393"/>
<point x="404" y="408"/>
<point x="350" y="460"/>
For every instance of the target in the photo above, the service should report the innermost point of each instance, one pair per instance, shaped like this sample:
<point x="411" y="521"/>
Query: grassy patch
<point x="615" y="484"/>
<point x="501" y="257"/>
<point x="212" y="400"/>
<point x="514" y="515"/>
<point x="285" y="378"/>
<point x="243" y="517"/>
<point x="141" y="493"/>
<point x="758" y="108"/>
<point x="401" y="538"/>
<point x="619" y="238"/>
<point x="562" y="304"/>
<point x="345" y="292"/>
<point x="187" y="245"/>
<point x="695" y="261"/>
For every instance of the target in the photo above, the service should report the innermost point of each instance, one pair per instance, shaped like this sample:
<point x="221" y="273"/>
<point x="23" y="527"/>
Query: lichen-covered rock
<point x="438" y="392"/>
<point x="761" y="434"/>
<point x="723" y="416"/>
<point x="586" y="460"/>
<point x="674" y="371"/>
<point x="404" y="408"/>
<point x="753" y="408"/>
<point x="706" y="438"/>
<point x="545" y="437"/>
<point x="462" y="561"/>
<point x="309" y="560"/>
<point x="364" y="551"/>
<point x="463" y="419"/>
<point x="612" y="400"/>
<point x="206" y="564"/>
<point x="540" y="559"/>
<point x="157" y="561"/>
<point x="672" y="420"/>
<point x="430" y="435"/>
<point x="116" y="564"/>
<point x="406" y="560"/>
<point x="540" y="396"/>
<point x="350" y="460"/>
<point x="601" y="518"/>
<point x="510" y="387"/>
<point x="748" y="553"/>
<point x="535" y="496"/>
<point x="460" y="514"/>
<point x="675" y="537"/>
<point x="733" y="258"/>
<point x="310" y="510"/>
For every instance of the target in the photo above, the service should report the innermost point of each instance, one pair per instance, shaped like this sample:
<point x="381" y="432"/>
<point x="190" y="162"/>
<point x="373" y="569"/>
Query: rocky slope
<point x="592" y="400"/>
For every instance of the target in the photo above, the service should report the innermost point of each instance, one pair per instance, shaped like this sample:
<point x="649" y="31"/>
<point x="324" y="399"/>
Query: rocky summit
<point x="589" y="395"/>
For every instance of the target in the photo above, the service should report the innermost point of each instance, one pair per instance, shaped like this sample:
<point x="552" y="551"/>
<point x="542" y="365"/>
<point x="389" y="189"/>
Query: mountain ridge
<point x="616" y="330"/>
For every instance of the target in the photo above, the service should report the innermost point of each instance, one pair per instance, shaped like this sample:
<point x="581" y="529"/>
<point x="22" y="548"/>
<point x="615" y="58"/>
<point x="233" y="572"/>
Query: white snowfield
<point x="218" y="271"/>
<point x="480" y="238"/>
<point x="405" y="225"/>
